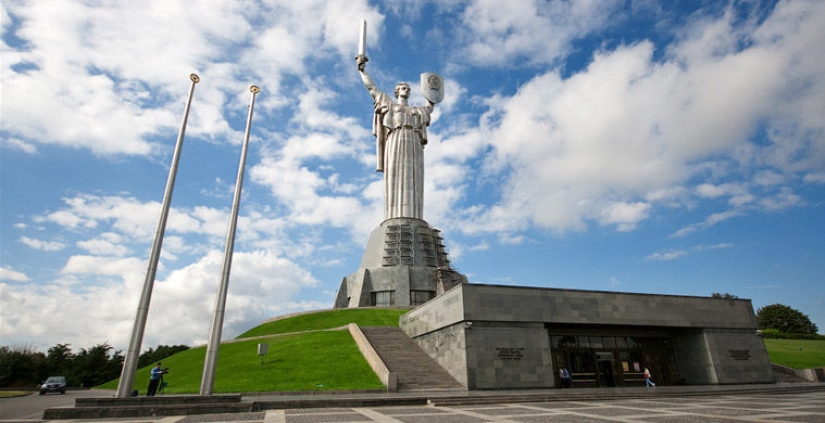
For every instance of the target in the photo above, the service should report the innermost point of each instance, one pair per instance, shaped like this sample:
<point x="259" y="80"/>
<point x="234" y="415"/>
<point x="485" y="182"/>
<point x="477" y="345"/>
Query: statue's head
<point x="398" y="89"/>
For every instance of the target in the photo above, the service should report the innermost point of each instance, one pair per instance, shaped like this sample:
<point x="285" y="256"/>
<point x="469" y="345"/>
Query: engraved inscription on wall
<point x="510" y="353"/>
<point x="740" y="355"/>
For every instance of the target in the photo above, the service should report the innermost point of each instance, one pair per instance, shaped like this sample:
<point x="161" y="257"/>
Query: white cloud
<point x="89" y="292"/>
<point x="306" y="191"/>
<point x="63" y="96"/>
<point x="668" y="255"/>
<point x="539" y="32"/>
<point x="783" y="199"/>
<point x="815" y="178"/>
<point x="629" y="127"/>
<point x="18" y="144"/>
<point x="106" y="289"/>
<point x="710" y="221"/>
<point x="96" y="265"/>
<point x="259" y="286"/>
<point x="625" y="215"/>
<point x="127" y="218"/>
<point x="9" y="274"/>
<point x="107" y="243"/>
<point x="42" y="245"/>
<point x="679" y="253"/>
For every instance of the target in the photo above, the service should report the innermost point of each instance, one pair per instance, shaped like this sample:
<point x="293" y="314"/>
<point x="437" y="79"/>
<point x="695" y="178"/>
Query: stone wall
<point x="448" y="347"/>
<point x="507" y="357"/>
<point x="694" y="358"/>
<point x="559" y="306"/>
<point x="739" y="357"/>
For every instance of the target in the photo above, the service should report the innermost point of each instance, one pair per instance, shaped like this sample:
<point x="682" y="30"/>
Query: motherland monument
<point x="404" y="263"/>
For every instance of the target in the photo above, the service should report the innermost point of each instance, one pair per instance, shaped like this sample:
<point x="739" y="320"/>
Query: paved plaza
<point x="652" y="408"/>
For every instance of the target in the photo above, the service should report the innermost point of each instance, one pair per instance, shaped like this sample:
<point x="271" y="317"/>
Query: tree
<point x="94" y="366"/>
<point x="59" y="360"/>
<point x="784" y="319"/>
<point x="151" y="356"/>
<point x="726" y="296"/>
<point x="20" y="366"/>
<point x="26" y="367"/>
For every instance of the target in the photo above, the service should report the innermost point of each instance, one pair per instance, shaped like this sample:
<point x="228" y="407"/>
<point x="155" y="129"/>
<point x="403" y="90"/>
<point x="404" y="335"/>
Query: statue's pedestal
<point x="404" y="264"/>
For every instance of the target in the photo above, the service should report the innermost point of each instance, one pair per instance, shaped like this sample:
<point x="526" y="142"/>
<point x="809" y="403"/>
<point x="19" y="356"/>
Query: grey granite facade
<point x="494" y="337"/>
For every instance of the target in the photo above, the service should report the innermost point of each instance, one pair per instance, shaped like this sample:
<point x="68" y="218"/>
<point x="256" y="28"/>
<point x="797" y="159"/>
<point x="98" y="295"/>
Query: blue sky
<point x="634" y="146"/>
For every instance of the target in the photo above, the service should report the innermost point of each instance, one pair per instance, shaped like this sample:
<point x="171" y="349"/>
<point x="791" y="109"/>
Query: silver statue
<point x="401" y="134"/>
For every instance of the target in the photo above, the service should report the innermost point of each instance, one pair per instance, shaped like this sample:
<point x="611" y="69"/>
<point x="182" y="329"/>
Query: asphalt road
<point x="31" y="407"/>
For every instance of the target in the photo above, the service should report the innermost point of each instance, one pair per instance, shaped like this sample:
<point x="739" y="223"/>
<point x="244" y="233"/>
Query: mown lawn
<point x="10" y="394"/>
<point x="305" y="362"/>
<point x="327" y="320"/>
<point x="297" y="362"/>
<point x="796" y="353"/>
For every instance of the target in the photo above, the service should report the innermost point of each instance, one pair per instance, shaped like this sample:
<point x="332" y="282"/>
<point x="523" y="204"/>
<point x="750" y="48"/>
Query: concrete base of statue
<point x="404" y="264"/>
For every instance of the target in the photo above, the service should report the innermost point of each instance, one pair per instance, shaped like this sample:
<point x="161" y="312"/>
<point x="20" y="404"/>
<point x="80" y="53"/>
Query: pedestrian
<point x="564" y="374"/>
<point x="648" y="381"/>
<point x="155" y="379"/>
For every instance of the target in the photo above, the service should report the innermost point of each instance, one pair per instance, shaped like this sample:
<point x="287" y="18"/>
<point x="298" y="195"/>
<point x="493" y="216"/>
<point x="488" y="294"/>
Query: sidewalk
<point x="463" y="397"/>
<point x="798" y="402"/>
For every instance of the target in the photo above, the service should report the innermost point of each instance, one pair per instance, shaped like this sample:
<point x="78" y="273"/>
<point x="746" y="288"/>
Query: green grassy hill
<point x="298" y="359"/>
<point x="796" y="353"/>
<point x="327" y="320"/>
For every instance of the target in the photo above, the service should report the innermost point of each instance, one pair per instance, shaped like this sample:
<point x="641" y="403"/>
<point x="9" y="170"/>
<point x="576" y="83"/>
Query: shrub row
<point x="776" y="334"/>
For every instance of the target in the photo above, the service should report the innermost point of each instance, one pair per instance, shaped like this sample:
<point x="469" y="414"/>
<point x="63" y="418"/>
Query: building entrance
<point x="613" y="360"/>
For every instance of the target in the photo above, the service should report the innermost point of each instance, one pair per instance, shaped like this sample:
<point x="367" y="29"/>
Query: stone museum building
<point x="501" y="337"/>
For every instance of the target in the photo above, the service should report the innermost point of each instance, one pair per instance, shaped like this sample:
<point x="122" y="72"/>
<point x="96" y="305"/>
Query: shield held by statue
<point x="432" y="87"/>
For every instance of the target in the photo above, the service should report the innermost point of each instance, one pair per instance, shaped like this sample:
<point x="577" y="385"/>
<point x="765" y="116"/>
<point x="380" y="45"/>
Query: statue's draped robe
<point x="401" y="133"/>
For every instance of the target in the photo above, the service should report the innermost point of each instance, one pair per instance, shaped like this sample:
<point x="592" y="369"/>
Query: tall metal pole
<point x="211" y="361"/>
<point x="127" y="375"/>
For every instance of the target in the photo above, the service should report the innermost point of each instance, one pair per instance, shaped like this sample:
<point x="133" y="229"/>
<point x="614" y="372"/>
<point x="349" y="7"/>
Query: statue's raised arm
<point x="368" y="82"/>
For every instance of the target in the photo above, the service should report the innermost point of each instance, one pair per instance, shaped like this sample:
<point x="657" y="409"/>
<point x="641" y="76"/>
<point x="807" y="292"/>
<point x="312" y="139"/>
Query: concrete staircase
<point x="415" y="370"/>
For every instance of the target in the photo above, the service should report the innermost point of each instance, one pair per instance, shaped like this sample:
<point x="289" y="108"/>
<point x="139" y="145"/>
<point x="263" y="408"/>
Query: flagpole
<point x="211" y="361"/>
<point x="127" y="375"/>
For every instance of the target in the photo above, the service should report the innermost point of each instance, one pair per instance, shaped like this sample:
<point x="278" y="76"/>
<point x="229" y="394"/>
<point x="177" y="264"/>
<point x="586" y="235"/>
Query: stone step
<point x="157" y="400"/>
<point x="415" y="370"/>
<point x="95" y="412"/>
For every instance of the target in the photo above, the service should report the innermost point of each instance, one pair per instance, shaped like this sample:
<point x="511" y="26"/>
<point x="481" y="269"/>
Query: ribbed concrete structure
<point x="404" y="264"/>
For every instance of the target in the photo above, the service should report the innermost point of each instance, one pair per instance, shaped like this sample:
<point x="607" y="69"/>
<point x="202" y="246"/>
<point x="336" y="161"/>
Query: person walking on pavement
<point x="564" y="374"/>
<point x="648" y="381"/>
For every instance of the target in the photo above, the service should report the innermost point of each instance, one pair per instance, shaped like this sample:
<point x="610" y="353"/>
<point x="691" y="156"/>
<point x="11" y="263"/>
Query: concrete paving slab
<point x="651" y="406"/>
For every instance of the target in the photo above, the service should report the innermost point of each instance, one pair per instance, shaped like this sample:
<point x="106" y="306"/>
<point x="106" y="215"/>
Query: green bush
<point x="771" y="333"/>
<point x="776" y="334"/>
